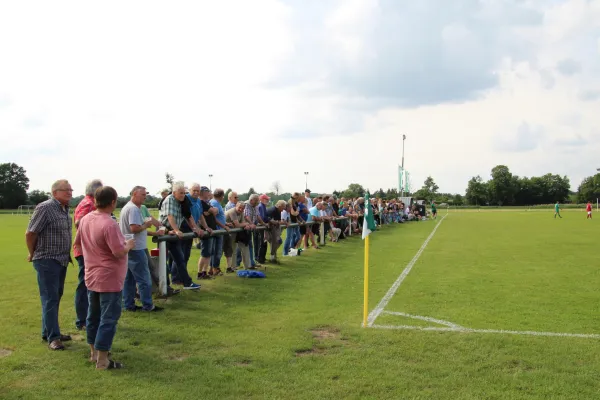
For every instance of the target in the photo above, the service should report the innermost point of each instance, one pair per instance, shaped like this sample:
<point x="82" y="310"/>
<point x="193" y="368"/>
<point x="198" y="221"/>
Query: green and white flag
<point x="400" y="178"/>
<point x="369" y="222"/>
<point x="406" y="182"/>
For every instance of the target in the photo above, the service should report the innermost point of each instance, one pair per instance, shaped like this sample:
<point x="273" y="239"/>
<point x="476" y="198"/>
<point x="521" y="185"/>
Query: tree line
<point x="503" y="189"/>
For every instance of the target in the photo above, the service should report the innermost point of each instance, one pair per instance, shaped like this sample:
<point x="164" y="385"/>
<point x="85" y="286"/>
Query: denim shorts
<point x="207" y="247"/>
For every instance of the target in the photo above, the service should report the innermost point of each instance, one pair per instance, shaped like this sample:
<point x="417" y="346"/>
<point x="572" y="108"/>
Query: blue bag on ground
<point x="246" y="273"/>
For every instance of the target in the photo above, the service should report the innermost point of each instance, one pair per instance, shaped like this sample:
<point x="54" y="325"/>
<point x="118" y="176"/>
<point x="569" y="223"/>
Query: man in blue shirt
<point x="262" y="213"/>
<point x="215" y="260"/>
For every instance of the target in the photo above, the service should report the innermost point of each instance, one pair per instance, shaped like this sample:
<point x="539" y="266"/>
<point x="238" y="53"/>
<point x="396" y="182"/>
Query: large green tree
<point x="13" y="185"/>
<point x="502" y="187"/>
<point x="428" y="191"/>
<point x="589" y="190"/>
<point x="477" y="191"/>
<point x="354" y="190"/>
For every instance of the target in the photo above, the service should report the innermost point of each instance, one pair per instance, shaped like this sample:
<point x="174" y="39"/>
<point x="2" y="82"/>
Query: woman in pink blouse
<point x="105" y="253"/>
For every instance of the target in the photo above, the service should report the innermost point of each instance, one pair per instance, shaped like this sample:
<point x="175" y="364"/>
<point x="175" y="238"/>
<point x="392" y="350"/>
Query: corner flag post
<point x="368" y="227"/>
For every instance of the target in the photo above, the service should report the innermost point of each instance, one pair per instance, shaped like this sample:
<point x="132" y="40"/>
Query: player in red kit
<point x="588" y="208"/>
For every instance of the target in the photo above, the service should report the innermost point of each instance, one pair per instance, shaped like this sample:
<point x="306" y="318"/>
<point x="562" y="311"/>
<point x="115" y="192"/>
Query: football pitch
<point x="475" y="305"/>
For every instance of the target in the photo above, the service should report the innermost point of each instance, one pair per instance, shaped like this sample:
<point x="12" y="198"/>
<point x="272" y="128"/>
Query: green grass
<point x="297" y="334"/>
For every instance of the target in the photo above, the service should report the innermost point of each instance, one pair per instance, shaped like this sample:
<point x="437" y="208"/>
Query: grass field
<point x="298" y="335"/>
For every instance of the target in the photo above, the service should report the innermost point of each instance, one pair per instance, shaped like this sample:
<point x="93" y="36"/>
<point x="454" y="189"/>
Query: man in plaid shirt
<point x="48" y="240"/>
<point x="86" y="206"/>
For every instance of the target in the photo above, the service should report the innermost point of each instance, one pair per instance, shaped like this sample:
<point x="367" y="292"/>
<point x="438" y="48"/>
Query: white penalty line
<point x="388" y="296"/>
<point x="422" y="318"/>
<point x="501" y="331"/>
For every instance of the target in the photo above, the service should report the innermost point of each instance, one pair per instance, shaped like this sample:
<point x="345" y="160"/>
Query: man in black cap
<point x="309" y="202"/>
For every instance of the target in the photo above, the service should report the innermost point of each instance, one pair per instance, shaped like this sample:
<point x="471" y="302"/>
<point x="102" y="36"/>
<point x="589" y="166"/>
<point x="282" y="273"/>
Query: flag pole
<point x="366" y="284"/>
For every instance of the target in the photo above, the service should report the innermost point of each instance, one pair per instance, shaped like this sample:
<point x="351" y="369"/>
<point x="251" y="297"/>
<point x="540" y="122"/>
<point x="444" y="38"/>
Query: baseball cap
<point x="307" y="191"/>
<point x="204" y="189"/>
<point x="264" y="197"/>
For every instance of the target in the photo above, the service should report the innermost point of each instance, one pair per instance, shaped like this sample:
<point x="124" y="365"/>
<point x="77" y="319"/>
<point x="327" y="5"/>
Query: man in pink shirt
<point x="85" y="206"/>
<point x="105" y="252"/>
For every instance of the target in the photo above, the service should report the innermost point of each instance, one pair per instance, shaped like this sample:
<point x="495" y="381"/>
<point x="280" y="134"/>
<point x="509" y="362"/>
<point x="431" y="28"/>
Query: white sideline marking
<point x="388" y="296"/>
<point x="469" y="330"/>
<point x="422" y="318"/>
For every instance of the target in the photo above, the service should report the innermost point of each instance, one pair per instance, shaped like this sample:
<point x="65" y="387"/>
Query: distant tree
<point x="251" y="191"/>
<point x="38" y="196"/>
<point x="170" y="180"/>
<point x="276" y="187"/>
<point x="428" y="191"/>
<point x="13" y="185"/>
<point x="354" y="190"/>
<point x="477" y="193"/>
<point x="589" y="190"/>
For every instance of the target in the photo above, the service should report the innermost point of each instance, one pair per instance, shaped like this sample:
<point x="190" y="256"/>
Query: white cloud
<point x="128" y="91"/>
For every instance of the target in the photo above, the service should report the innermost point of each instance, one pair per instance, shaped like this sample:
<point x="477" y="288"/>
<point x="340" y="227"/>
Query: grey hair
<point x="194" y="184"/>
<point x="230" y="195"/>
<point x="281" y="203"/>
<point x="135" y="189"/>
<point x="252" y="197"/>
<point x="56" y="185"/>
<point x="178" y="186"/>
<point x="218" y="192"/>
<point x="91" y="187"/>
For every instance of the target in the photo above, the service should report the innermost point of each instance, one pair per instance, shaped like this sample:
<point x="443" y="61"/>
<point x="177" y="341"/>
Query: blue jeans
<point x="217" y="252"/>
<point x="102" y="318"/>
<point x="291" y="238"/>
<point x="51" y="281"/>
<point x="81" y="296"/>
<point x="138" y="271"/>
<point x="179" y="263"/>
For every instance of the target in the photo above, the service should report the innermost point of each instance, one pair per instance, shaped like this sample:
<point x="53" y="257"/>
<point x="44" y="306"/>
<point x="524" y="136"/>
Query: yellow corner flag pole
<point x="366" y="287"/>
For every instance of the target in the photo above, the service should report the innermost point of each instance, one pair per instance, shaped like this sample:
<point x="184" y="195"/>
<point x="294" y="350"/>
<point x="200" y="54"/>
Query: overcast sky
<point x="258" y="91"/>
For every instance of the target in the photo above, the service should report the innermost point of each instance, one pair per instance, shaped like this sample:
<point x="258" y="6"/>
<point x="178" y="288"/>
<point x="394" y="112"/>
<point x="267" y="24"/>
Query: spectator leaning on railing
<point x="171" y="216"/>
<point x="235" y="216"/>
<point x="215" y="202"/>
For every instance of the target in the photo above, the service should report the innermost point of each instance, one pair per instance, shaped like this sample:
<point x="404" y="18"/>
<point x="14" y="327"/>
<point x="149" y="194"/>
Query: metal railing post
<point x="162" y="268"/>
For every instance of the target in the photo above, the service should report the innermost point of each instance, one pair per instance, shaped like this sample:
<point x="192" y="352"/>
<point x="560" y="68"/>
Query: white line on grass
<point x="422" y="318"/>
<point x="469" y="330"/>
<point x="388" y="296"/>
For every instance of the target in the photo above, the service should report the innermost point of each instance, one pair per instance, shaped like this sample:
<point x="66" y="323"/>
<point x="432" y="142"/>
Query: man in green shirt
<point x="557" y="210"/>
<point x="433" y="210"/>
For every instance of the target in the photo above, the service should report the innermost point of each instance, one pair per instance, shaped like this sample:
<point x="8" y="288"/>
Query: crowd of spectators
<point x="115" y="266"/>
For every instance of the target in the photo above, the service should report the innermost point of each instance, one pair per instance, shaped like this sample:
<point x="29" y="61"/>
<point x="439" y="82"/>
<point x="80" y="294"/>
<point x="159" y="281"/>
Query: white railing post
<point x="322" y="234"/>
<point x="162" y="268"/>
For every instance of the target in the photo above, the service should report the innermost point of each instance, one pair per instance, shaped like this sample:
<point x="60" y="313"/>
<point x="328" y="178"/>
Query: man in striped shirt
<point x="48" y="240"/>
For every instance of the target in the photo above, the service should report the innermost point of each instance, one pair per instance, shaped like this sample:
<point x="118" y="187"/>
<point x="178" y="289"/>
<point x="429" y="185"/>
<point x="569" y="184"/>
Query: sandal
<point x="217" y="272"/>
<point x="56" y="345"/>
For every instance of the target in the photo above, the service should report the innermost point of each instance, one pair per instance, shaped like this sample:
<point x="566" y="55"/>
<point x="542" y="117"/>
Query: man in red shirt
<point x="86" y="206"/>
<point x="588" y="208"/>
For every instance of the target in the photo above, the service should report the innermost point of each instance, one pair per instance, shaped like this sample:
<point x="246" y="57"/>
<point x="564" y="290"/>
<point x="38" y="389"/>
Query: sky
<point x="260" y="91"/>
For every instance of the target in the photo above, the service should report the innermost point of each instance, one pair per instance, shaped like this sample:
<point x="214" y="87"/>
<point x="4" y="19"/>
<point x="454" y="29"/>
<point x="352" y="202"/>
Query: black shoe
<point x="155" y="309"/>
<point x="134" y="308"/>
<point x="172" y="292"/>
<point x="63" y="338"/>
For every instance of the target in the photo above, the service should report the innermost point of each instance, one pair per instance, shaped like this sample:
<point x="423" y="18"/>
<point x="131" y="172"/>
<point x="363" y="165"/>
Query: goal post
<point x="26" y="209"/>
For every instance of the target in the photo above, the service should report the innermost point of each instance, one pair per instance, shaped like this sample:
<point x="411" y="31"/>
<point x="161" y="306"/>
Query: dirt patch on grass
<point x="5" y="353"/>
<point x="179" y="357"/>
<point x="325" y="333"/>
<point x="315" y="351"/>
<point x="77" y="337"/>
<point x="243" y="363"/>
